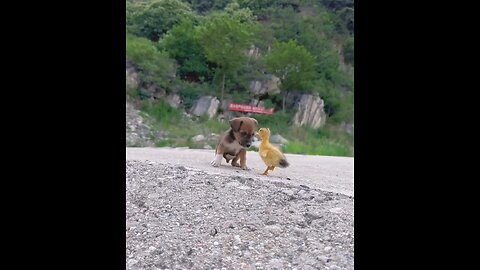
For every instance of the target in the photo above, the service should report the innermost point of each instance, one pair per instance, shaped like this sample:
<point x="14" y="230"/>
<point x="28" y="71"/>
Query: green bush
<point x="154" y="18"/>
<point x="154" y="66"/>
<point x="181" y="44"/>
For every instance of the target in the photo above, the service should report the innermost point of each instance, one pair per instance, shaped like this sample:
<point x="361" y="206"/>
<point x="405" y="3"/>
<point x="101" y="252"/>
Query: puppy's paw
<point x="235" y="164"/>
<point x="217" y="161"/>
<point x="244" y="167"/>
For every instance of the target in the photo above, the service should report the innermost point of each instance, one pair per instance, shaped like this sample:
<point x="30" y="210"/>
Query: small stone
<point x="336" y="210"/>
<point x="288" y="192"/>
<point x="324" y="258"/>
<point x="276" y="264"/>
<point x="232" y="184"/>
<point x="215" y="243"/>
<point x="198" y="138"/>
<point x="132" y="262"/>
<point x="207" y="146"/>
<point x="237" y="239"/>
<point x="274" y="229"/>
<point x="327" y="249"/>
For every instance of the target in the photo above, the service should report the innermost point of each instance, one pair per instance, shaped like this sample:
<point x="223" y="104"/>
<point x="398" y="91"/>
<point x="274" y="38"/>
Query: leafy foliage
<point x="292" y="63"/>
<point x="182" y="44"/>
<point x="154" y="66"/>
<point x="153" y="19"/>
<point x="224" y="39"/>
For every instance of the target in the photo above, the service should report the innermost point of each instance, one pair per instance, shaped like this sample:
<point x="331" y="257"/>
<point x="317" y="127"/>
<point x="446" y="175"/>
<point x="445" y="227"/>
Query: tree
<point x="224" y="39"/>
<point x="154" y="66"/>
<point x="155" y="18"/>
<point x="293" y="64"/>
<point x="181" y="44"/>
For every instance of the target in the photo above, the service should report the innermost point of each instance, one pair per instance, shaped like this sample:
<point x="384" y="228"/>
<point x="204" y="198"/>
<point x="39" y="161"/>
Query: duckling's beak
<point x="257" y="135"/>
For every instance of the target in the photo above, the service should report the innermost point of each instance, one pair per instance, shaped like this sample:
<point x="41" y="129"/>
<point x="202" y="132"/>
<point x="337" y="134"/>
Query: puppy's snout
<point x="248" y="144"/>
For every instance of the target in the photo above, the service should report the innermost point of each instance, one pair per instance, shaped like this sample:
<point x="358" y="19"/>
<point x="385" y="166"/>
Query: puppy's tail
<point x="283" y="163"/>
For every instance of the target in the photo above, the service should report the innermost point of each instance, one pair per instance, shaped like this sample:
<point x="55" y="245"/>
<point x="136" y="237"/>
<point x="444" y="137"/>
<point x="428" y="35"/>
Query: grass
<point x="327" y="141"/>
<point x="163" y="143"/>
<point x="321" y="147"/>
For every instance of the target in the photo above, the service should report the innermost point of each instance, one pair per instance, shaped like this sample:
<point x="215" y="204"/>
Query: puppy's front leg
<point x="217" y="160"/>
<point x="234" y="161"/>
<point x="243" y="159"/>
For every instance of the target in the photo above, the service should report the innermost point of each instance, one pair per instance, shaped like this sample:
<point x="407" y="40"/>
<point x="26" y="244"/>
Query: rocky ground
<point x="137" y="130"/>
<point x="185" y="218"/>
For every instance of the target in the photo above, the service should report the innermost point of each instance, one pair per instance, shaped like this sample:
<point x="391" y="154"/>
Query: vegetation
<point x="154" y="66"/>
<point x="293" y="64"/>
<point x="198" y="47"/>
<point x="224" y="38"/>
<point x="152" y="19"/>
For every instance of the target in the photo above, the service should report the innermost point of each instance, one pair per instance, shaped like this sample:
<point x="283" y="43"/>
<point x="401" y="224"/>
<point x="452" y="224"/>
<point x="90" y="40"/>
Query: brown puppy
<point x="232" y="144"/>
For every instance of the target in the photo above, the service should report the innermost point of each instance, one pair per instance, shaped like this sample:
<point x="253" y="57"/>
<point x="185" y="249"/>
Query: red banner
<point x="249" y="108"/>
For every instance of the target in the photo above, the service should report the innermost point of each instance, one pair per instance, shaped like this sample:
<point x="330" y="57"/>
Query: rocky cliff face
<point x="138" y="132"/>
<point x="270" y="85"/>
<point x="309" y="111"/>
<point x="132" y="77"/>
<point x="206" y="104"/>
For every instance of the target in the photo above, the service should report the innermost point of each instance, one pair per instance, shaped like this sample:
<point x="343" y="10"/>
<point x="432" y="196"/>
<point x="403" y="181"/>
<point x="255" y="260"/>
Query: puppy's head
<point x="244" y="130"/>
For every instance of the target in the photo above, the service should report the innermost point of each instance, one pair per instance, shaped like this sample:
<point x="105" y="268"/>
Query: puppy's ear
<point x="236" y="123"/>
<point x="254" y="120"/>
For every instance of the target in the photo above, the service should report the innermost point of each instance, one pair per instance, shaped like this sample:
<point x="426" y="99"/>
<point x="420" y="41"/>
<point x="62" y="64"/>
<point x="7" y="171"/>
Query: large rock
<point x="348" y="127"/>
<point x="152" y="91"/>
<point x="270" y="85"/>
<point x="253" y="52"/>
<point x="257" y="103"/>
<point x="206" y="104"/>
<point x="310" y="111"/>
<point x="174" y="100"/>
<point x="278" y="139"/>
<point x="132" y="80"/>
<point x="198" y="138"/>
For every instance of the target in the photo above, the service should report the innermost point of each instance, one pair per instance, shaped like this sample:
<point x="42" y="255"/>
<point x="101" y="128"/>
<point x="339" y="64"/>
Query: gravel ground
<point x="184" y="218"/>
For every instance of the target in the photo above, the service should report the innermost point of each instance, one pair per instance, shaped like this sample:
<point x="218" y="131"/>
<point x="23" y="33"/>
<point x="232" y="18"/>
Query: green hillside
<point x="199" y="48"/>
